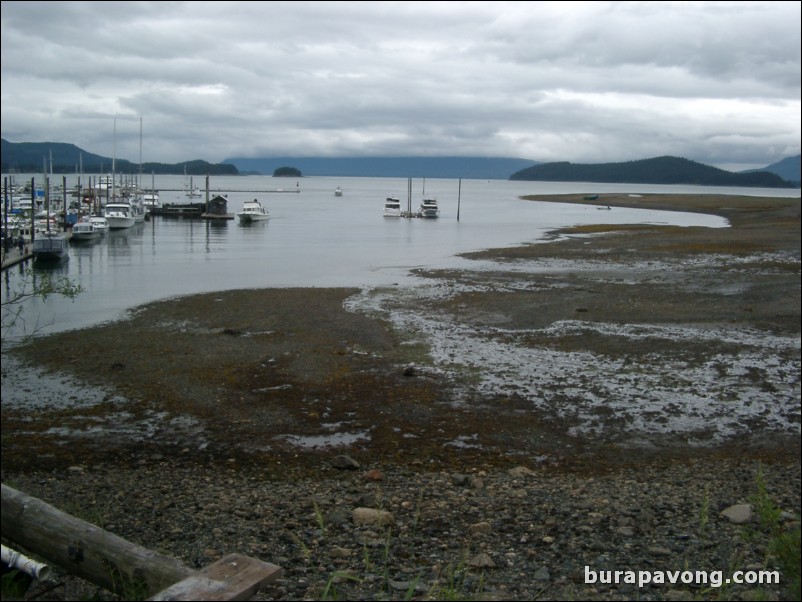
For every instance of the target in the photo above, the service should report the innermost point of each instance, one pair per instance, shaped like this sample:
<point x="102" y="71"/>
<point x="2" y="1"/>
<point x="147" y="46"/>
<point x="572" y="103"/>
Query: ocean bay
<point x="315" y="239"/>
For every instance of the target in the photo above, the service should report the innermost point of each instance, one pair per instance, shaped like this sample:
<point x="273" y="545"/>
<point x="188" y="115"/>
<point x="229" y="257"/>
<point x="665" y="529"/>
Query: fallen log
<point x="84" y="549"/>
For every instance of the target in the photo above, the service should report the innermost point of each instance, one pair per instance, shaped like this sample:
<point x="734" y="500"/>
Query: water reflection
<point x="315" y="239"/>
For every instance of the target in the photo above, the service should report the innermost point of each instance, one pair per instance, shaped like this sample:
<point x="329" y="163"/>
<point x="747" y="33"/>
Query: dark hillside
<point x="660" y="170"/>
<point x="31" y="157"/>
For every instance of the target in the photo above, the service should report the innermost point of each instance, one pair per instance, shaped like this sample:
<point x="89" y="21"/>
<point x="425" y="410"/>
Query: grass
<point x="784" y="542"/>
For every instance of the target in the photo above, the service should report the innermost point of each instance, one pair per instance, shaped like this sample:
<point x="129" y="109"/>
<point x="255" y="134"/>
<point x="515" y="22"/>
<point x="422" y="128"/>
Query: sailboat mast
<point x="140" y="150"/>
<point x="113" y="159"/>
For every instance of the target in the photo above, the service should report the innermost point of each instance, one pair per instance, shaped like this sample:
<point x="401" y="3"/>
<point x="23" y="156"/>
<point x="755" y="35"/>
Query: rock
<point x="460" y="480"/>
<point x="374" y="474"/>
<point x="373" y="517"/>
<point x="344" y="462"/>
<point x="520" y="472"/>
<point x="481" y="528"/>
<point x="482" y="561"/>
<point x="738" y="514"/>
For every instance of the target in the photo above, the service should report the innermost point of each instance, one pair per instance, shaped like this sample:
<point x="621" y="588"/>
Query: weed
<point x="786" y="548"/>
<point x="319" y="517"/>
<point x="765" y="508"/>
<point x="14" y="584"/>
<point x="304" y="548"/>
<point x="704" y="511"/>
<point x="330" y="591"/>
<point x="783" y="545"/>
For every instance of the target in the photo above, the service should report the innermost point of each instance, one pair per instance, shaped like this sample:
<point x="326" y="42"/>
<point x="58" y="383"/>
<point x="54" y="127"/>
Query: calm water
<point x="315" y="239"/>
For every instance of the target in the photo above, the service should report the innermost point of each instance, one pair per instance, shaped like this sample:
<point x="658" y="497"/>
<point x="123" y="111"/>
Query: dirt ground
<point x="258" y="377"/>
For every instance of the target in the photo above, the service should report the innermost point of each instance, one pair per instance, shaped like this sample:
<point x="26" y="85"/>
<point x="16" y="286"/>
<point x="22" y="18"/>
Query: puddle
<point x="329" y="440"/>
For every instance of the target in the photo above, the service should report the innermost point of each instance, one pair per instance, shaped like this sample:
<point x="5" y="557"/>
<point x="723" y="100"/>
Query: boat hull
<point x="247" y="218"/>
<point x="50" y="248"/>
<point x="120" y="222"/>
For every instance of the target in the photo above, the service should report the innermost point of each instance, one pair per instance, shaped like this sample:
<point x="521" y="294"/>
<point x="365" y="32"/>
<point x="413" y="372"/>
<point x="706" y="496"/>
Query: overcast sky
<point x="586" y="82"/>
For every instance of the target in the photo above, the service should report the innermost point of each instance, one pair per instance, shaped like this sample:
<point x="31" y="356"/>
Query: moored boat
<point x="429" y="208"/>
<point x="119" y="215"/>
<point x="100" y="223"/>
<point x="84" y="230"/>
<point x="50" y="247"/>
<point x="392" y="207"/>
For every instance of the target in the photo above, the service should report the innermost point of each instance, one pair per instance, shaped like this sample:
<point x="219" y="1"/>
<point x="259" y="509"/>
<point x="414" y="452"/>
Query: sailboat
<point x="119" y="214"/>
<point x="193" y="192"/>
<point x="137" y="200"/>
<point x="50" y="245"/>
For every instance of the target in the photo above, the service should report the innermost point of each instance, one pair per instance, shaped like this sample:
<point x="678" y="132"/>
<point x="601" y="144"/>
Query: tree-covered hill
<point x="660" y="170"/>
<point x="31" y="157"/>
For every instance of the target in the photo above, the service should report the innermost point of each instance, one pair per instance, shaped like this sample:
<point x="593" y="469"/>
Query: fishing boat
<point x="252" y="211"/>
<point x="428" y="208"/>
<point x="392" y="207"/>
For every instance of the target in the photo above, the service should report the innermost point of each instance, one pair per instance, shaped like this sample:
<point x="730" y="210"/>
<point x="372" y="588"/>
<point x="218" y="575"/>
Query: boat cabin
<point x="217" y="208"/>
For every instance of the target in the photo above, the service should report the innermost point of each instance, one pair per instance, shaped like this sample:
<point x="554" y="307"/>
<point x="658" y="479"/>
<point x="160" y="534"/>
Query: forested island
<point x="31" y="157"/>
<point x="660" y="170"/>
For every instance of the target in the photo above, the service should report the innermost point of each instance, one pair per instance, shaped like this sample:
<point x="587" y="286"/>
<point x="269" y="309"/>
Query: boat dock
<point x="14" y="256"/>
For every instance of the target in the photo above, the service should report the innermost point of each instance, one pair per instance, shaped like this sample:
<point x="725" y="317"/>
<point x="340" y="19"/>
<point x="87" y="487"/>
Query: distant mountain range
<point x="787" y="169"/>
<point x="479" y="168"/>
<point x="30" y="157"/>
<point x="660" y="170"/>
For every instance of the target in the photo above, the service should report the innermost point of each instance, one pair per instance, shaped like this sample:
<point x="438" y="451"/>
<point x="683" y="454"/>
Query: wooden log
<point x="86" y="550"/>
<point x="235" y="577"/>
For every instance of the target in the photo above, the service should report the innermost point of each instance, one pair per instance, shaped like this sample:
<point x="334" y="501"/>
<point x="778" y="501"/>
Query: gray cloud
<point x="717" y="82"/>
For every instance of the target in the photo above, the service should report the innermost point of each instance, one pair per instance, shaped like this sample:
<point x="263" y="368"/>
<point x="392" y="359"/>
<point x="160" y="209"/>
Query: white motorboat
<point x="85" y="230"/>
<point x="252" y="211"/>
<point x="100" y="223"/>
<point x="119" y="215"/>
<point x="338" y="191"/>
<point x="429" y="208"/>
<point x="392" y="207"/>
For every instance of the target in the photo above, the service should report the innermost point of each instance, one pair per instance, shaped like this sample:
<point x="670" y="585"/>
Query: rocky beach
<point x="617" y="398"/>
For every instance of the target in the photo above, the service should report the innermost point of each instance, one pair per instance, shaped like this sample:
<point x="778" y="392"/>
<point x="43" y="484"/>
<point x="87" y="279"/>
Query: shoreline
<point x="628" y="376"/>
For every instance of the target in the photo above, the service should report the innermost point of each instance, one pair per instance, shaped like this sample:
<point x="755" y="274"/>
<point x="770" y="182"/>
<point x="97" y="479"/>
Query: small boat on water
<point x="429" y="208"/>
<point x="50" y="247"/>
<point x="100" y="223"/>
<point x="392" y="207"/>
<point x="338" y="191"/>
<point x="252" y="211"/>
<point x="119" y="215"/>
<point x="85" y="230"/>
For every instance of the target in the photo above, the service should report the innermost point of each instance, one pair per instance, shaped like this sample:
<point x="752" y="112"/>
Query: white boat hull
<point x="119" y="216"/>
<point x="120" y="222"/>
<point x="247" y="218"/>
<point x="253" y="211"/>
